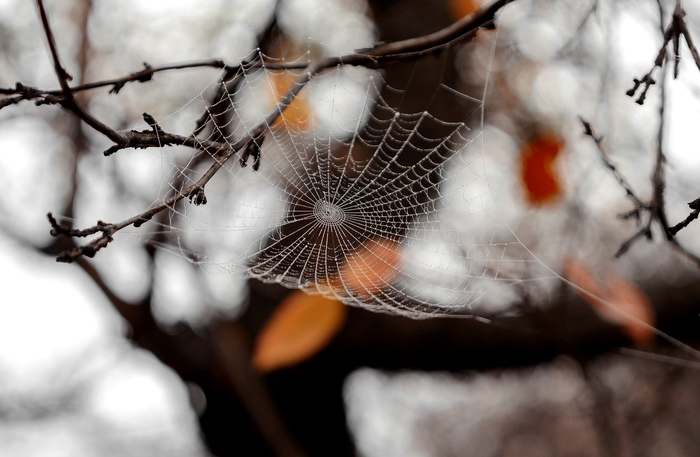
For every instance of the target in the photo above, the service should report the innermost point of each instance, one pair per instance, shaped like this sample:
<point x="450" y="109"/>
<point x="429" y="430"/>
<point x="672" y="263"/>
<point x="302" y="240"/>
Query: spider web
<point x="354" y="195"/>
<point x="378" y="207"/>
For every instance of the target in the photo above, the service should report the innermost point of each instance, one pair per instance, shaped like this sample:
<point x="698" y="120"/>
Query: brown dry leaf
<point x="619" y="294"/>
<point x="297" y="116"/>
<point x="301" y="326"/>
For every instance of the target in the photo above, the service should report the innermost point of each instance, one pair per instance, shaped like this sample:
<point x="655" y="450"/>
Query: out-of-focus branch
<point x="225" y="350"/>
<point x="656" y="207"/>
<point x="233" y="349"/>
<point x="695" y="207"/>
<point x="658" y="180"/>
<point x="598" y="139"/>
<point x="69" y="101"/>
<point x="676" y="29"/>
<point x="640" y="209"/>
<point x="654" y="210"/>
<point x="603" y="414"/>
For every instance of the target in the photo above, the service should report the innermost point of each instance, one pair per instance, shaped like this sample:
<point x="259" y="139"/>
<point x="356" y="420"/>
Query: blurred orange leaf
<point x="301" y="326"/>
<point x="539" y="175"/>
<point x="615" y="301"/>
<point x="462" y="8"/>
<point x="298" y="113"/>
<point x="371" y="267"/>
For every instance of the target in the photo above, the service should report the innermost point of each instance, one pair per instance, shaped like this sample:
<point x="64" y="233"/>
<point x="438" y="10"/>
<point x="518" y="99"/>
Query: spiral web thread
<point x="355" y="197"/>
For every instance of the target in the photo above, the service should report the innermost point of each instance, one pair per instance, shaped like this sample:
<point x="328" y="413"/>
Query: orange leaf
<point x="539" y="174"/>
<point x="619" y="302"/>
<point x="371" y="267"/>
<point x="462" y="8"/>
<point x="298" y="113"/>
<point x="301" y="326"/>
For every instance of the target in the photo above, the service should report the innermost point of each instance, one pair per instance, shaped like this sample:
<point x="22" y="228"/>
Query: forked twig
<point x="654" y="210"/>
<point x="676" y="29"/>
<point x="598" y="139"/>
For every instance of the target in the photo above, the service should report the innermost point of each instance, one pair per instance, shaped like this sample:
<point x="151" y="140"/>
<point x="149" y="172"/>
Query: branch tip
<point x="150" y="120"/>
<point x="142" y="220"/>
<point x="142" y="76"/>
<point x="695" y="204"/>
<point x="111" y="150"/>
<point x="253" y="149"/>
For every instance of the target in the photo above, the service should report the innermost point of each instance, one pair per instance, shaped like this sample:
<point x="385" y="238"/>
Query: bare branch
<point x="682" y="26"/>
<point x="58" y="229"/>
<point x="61" y="73"/>
<point x="640" y="209"/>
<point x="695" y="206"/>
<point x="221" y="152"/>
<point x="676" y="28"/>
<point x="655" y="209"/>
<point x="22" y="92"/>
<point x="647" y="80"/>
<point x="588" y="131"/>
<point x="644" y="232"/>
<point x="69" y="101"/>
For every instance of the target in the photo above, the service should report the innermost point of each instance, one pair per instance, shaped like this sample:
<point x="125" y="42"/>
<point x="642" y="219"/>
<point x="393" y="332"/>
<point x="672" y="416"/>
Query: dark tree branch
<point x="655" y="210"/>
<point x="640" y="206"/>
<point x="695" y="206"/>
<point x="658" y="181"/>
<point x="643" y="232"/>
<point x="21" y="92"/>
<point x="676" y="28"/>
<point x="377" y="57"/>
<point x="232" y="346"/>
<point x="69" y="102"/>
<point x="225" y="349"/>
<point x="640" y="209"/>
<point x="61" y="73"/>
<point x="217" y="113"/>
<point x="658" y="202"/>
<point x="682" y="26"/>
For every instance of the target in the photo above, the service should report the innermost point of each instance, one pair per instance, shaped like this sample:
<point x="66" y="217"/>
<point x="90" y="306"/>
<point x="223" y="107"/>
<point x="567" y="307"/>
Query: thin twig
<point x="21" y="92"/>
<point x="658" y="204"/>
<point x="641" y="208"/>
<point x="69" y="101"/>
<point x="683" y="26"/>
<point x="695" y="206"/>
<point x="658" y="180"/>
<point x="676" y="28"/>
<point x="588" y="131"/>
<point x="656" y="208"/>
<point x="58" y="229"/>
